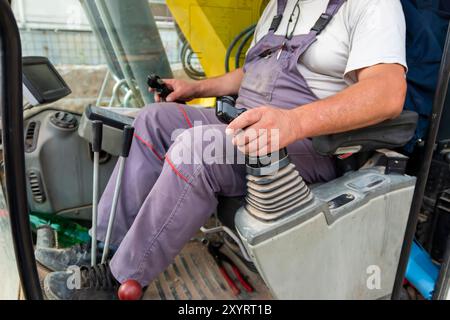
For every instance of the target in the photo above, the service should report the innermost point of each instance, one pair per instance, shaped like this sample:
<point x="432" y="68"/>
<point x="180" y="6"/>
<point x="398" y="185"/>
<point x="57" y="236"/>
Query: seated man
<point x="302" y="77"/>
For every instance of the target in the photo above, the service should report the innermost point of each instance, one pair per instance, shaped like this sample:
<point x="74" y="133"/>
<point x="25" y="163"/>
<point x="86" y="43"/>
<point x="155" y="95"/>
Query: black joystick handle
<point x="156" y="83"/>
<point x="97" y="135"/>
<point x="226" y="111"/>
<point x="128" y="132"/>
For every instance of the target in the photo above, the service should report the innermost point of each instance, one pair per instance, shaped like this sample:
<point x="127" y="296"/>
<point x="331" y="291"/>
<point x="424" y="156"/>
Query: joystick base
<point x="272" y="196"/>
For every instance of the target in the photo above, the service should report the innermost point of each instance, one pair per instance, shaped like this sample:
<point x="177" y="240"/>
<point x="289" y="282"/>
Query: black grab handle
<point x="97" y="135"/>
<point x="128" y="132"/>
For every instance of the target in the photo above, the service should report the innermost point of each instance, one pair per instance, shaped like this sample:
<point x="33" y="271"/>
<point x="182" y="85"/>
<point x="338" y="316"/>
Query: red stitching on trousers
<point x="150" y="146"/>
<point x="185" y="116"/>
<point x="178" y="173"/>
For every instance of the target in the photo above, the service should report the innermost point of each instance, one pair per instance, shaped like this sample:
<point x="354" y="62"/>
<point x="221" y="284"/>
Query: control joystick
<point x="274" y="186"/>
<point x="156" y="83"/>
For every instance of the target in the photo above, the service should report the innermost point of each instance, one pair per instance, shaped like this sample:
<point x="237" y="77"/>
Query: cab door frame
<point x="11" y="102"/>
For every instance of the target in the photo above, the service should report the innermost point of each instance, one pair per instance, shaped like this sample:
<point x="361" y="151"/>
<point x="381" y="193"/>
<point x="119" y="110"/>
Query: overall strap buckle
<point x="281" y="6"/>
<point x="322" y="22"/>
<point x="276" y="22"/>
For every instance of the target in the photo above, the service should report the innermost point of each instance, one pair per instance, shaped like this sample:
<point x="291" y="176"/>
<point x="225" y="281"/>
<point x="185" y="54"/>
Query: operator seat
<point x="351" y="149"/>
<point x="352" y="225"/>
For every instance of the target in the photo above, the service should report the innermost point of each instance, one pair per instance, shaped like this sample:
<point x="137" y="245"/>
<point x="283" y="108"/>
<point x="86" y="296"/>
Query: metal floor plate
<point x="194" y="275"/>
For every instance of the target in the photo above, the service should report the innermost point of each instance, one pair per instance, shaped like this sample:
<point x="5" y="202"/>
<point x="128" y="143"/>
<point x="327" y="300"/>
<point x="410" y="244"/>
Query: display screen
<point x="42" y="83"/>
<point x="42" y="78"/>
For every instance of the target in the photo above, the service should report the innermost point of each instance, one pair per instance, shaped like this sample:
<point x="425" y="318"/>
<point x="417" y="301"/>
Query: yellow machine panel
<point x="211" y="25"/>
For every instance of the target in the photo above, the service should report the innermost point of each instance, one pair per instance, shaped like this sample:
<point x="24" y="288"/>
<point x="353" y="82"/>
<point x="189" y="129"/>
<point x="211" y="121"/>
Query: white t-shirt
<point x="362" y="34"/>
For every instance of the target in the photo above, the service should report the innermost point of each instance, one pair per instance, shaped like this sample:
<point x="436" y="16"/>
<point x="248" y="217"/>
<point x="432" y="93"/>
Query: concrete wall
<point x="50" y="14"/>
<point x="59" y="30"/>
<point x="85" y="81"/>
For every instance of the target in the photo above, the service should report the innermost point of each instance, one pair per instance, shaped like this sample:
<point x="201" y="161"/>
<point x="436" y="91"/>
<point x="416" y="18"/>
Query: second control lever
<point x="155" y="82"/>
<point x="128" y="132"/>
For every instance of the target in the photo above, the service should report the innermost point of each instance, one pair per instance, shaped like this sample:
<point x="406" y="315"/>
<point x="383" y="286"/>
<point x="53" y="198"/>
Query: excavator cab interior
<point x="294" y="241"/>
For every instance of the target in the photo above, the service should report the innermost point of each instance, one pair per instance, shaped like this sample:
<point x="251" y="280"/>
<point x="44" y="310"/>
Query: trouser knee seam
<point x="175" y="170"/>
<point x="185" y="115"/>
<point x="149" y="146"/>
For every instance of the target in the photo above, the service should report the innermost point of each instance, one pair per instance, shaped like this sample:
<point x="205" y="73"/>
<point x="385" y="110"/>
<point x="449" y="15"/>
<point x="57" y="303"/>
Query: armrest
<point x="388" y="134"/>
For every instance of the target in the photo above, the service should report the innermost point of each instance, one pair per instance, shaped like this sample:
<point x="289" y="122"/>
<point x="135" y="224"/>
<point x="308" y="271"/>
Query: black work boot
<point x="57" y="259"/>
<point x="82" y="283"/>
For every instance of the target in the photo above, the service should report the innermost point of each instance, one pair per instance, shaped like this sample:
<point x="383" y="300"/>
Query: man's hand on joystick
<point x="172" y="90"/>
<point x="263" y="130"/>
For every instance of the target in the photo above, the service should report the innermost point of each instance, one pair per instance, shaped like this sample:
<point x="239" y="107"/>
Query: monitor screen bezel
<point x="46" y="96"/>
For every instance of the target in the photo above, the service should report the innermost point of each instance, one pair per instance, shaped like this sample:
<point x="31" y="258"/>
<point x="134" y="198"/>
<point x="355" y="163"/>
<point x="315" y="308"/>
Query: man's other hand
<point x="182" y="90"/>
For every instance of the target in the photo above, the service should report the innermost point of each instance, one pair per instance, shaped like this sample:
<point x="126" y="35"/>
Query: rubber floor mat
<point x="194" y="275"/>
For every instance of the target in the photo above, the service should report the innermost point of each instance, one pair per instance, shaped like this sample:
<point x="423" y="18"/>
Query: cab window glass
<point x="106" y="49"/>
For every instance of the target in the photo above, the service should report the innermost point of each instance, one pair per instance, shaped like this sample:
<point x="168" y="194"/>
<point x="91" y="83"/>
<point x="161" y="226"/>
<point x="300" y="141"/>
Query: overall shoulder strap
<point x="325" y="18"/>
<point x="320" y="25"/>
<point x="281" y="6"/>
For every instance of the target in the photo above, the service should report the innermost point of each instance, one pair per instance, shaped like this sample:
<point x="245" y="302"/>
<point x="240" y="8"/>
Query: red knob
<point x="130" y="290"/>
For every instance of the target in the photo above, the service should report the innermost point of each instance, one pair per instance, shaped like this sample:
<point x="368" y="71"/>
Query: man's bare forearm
<point x="227" y="84"/>
<point x="378" y="96"/>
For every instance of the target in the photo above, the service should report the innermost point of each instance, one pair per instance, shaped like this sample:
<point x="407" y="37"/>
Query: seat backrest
<point x="426" y="29"/>
<point x="427" y="24"/>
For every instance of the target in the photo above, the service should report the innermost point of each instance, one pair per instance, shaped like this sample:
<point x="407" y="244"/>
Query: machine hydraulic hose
<point x="245" y="36"/>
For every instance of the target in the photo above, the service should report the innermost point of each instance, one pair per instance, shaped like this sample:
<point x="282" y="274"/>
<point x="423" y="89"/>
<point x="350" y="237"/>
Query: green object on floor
<point x="69" y="232"/>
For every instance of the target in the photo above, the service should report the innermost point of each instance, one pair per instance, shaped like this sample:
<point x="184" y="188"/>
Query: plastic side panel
<point x="354" y="258"/>
<point x="110" y="136"/>
<point x="62" y="158"/>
